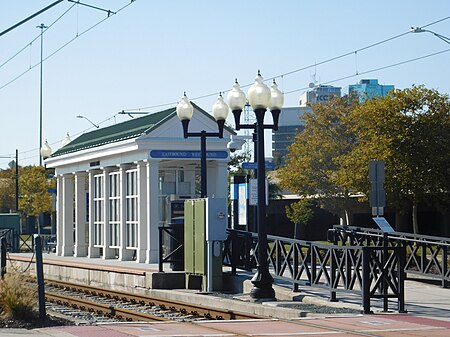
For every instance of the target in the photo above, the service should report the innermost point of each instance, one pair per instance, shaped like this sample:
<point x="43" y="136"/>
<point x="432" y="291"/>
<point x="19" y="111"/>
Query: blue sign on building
<point x="175" y="154"/>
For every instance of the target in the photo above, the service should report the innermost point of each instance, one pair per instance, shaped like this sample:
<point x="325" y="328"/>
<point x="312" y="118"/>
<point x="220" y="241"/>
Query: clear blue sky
<point x="152" y="51"/>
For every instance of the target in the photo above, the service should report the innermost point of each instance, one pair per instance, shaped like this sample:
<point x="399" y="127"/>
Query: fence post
<point x="40" y="276"/>
<point x="333" y="268"/>
<point x="366" y="279"/>
<point x="445" y="283"/>
<point x="295" y="266"/>
<point x="2" y="257"/>
<point x="278" y="257"/>
<point x="384" y="273"/>
<point x="313" y="265"/>
<point x="232" y="246"/>
<point x="160" y="250"/>
<point x="401" y="278"/>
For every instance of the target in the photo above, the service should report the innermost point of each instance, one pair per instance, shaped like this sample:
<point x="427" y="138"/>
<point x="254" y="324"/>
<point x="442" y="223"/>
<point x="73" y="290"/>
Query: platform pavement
<point x="422" y="299"/>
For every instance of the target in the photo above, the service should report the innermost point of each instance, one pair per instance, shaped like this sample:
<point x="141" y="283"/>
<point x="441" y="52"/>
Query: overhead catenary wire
<point x="37" y="37"/>
<point x="63" y="46"/>
<point x="270" y="78"/>
<point x="335" y="58"/>
<point x="375" y="69"/>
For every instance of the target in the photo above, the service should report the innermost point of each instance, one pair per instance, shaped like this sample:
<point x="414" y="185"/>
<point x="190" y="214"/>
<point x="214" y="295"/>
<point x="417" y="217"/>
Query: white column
<point x="59" y="215"/>
<point x="124" y="254"/>
<point x="67" y="215"/>
<point x="152" y="211"/>
<point x="142" y="212"/>
<point x="80" y="214"/>
<point x="108" y="253"/>
<point x="92" y="251"/>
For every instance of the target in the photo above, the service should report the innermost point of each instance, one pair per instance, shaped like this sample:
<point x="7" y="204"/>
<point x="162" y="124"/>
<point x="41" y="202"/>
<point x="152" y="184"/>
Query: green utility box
<point x="10" y="228"/>
<point x="205" y="223"/>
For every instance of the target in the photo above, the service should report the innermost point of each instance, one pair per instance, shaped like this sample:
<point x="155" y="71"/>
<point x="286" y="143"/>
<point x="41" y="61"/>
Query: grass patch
<point x="17" y="299"/>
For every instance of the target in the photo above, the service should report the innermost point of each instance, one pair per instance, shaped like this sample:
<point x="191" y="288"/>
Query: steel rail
<point x="101" y="309"/>
<point x="182" y="307"/>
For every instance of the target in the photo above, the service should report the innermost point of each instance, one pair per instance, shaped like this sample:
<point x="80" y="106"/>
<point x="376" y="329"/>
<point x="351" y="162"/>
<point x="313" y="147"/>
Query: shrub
<point x="17" y="298"/>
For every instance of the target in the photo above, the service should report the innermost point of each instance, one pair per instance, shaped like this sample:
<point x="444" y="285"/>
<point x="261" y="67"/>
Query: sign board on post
<point x="377" y="197"/>
<point x="383" y="224"/>
<point x="254" y="166"/>
<point x="253" y="192"/>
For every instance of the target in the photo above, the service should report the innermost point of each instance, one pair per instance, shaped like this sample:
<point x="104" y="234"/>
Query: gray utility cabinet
<point x="205" y="223"/>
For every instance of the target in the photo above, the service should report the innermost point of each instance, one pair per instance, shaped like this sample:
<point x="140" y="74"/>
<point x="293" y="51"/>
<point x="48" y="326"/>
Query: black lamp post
<point x="260" y="98"/>
<point x="185" y="111"/>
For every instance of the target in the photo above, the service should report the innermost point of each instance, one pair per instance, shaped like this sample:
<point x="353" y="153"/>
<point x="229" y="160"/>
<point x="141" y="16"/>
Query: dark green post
<point x="40" y="276"/>
<point x="2" y="257"/>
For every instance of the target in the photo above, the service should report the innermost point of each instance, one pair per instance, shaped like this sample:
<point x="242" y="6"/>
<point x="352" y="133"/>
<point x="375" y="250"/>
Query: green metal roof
<point x="115" y="133"/>
<point x="126" y="130"/>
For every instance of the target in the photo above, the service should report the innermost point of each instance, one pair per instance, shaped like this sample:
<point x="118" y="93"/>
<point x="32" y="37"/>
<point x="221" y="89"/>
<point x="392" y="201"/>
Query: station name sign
<point x="175" y="154"/>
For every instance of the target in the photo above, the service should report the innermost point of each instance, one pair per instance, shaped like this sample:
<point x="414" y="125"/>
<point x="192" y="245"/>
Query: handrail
<point x="427" y="256"/>
<point x="373" y="272"/>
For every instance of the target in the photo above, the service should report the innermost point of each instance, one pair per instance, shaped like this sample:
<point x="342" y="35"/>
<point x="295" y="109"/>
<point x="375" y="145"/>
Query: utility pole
<point x="42" y="27"/>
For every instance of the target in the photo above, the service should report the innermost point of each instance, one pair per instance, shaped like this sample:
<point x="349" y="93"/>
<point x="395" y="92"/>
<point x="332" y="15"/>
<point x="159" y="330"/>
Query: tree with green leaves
<point x="311" y="166"/>
<point x="300" y="213"/>
<point x="408" y="129"/>
<point x="34" y="198"/>
<point x="7" y="190"/>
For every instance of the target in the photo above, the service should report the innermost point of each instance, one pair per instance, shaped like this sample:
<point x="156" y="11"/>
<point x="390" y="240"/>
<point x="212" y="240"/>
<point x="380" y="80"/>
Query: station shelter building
<point x="114" y="183"/>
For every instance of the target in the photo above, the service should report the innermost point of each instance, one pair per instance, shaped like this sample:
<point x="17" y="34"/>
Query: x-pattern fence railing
<point x="427" y="256"/>
<point x="16" y="242"/>
<point x="373" y="272"/>
<point x="171" y="246"/>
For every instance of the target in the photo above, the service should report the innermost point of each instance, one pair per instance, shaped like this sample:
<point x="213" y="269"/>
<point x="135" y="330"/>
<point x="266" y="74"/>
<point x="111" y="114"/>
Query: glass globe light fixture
<point x="46" y="150"/>
<point x="236" y="100"/>
<point x="220" y="112"/>
<point x="185" y="110"/>
<point x="259" y="94"/>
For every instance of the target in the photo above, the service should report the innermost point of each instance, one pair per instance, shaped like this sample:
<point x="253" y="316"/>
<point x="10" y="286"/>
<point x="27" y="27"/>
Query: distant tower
<point x="368" y="89"/>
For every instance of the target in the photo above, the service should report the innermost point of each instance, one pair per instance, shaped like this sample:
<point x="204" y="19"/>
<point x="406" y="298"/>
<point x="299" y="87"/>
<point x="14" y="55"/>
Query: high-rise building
<point x="368" y="89"/>
<point x="319" y="94"/>
<point x="290" y="124"/>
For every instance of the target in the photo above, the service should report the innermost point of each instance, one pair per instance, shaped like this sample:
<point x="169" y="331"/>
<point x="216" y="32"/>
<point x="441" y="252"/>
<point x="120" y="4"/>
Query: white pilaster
<point x="92" y="251"/>
<point x="124" y="254"/>
<point x="142" y="212"/>
<point x="67" y="215"/>
<point x="59" y="215"/>
<point x="108" y="253"/>
<point x="80" y="215"/>
<point x="152" y="211"/>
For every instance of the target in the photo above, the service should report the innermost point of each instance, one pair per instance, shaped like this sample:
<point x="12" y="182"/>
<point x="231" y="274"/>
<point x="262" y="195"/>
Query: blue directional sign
<point x="175" y="154"/>
<point x="254" y="166"/>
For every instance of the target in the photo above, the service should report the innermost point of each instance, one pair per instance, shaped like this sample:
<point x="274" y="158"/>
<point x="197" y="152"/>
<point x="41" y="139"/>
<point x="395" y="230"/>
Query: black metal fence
<point x="171" y="247"/>
<point x="24" y="243"/>
<point x="427" y="256"/>
<point x="373" y="272"/>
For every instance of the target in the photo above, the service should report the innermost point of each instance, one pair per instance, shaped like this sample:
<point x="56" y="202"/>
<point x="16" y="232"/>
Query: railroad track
<point x="102" y="309"/>
<point x="137" y="300"/>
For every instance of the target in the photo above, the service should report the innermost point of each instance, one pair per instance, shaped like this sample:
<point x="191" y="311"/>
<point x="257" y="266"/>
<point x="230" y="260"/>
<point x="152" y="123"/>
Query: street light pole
<point x="42" y="27"/>
<point x="421" y="30"/>
<point x="17" y="181"/>
<point x="185" y="111"/>
<point x="260" y="98"/>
